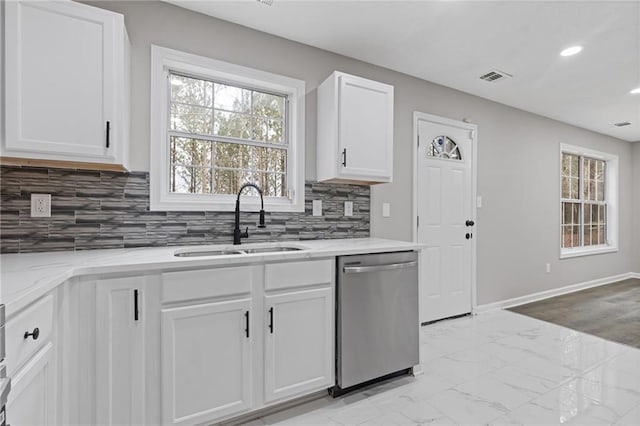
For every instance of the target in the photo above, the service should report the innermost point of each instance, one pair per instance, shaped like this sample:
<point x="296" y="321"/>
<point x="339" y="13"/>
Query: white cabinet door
<point x="365" y="128"/>
<point x="206" y="361"/>
<point x="65" y="82"/>
<point x="355" y="130"/>
<point x="299" y="352"/>
<point x="32" y="397"/>
<point x="120" y="351"/>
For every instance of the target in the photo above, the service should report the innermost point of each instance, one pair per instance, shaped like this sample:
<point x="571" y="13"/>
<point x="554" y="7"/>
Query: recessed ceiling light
<point x="570" y="51"/>
<point x="635" y="91"/>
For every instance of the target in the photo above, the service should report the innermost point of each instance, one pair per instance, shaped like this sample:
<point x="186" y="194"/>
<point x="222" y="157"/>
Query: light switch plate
<point x="386" y="209"/>
<point x="317" y="207"/>
<point x="348" y="208"/>
<point x="40" y="205"/>
<point x="479" y="201"/>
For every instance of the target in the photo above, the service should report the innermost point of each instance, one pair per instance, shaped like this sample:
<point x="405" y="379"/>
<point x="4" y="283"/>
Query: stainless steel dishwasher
<point x="377" y="318"/>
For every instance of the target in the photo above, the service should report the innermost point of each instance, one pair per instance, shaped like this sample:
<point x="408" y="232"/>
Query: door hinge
<point x="417" y="221"/>
<point x="418" y="141"/>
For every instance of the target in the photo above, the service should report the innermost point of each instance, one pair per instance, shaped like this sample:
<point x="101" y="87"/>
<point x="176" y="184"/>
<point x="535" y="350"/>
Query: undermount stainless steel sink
<point x="269" y="249"/>
<point x="206" y="253"/>
<point x="252" y="250"/>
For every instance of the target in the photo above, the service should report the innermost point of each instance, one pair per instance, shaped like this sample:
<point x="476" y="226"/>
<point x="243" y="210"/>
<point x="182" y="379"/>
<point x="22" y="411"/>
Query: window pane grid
<point x="584" y="206"/>
<point x="198" y="167"/>
<point x="223" y="135"/>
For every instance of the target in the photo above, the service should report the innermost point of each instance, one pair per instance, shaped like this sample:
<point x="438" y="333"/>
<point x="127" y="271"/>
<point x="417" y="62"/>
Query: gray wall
<point x="518" y="226"/>
<point x="636" y="207"/>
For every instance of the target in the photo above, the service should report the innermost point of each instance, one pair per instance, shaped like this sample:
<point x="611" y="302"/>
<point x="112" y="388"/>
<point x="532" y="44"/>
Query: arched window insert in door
<point x="444" y="147"/>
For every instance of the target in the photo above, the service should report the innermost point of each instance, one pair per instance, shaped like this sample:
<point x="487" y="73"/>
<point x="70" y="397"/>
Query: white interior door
<point x="444" y="192"/>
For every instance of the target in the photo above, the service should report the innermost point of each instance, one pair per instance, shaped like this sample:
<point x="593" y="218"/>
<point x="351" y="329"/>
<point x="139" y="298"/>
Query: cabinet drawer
<point x="19" y="349"/>
<point x="298" y="274"/>
<point x="190" y="285"/>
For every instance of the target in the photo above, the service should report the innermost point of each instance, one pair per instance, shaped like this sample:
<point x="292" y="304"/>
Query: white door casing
<point x="444" y="194"/>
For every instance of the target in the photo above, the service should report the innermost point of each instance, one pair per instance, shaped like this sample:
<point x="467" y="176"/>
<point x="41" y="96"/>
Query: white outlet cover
<point x="386" y="209"/>
<point x="40" y="205"/>
<point x="348" y="208"/>
<point x="317" y="207"/>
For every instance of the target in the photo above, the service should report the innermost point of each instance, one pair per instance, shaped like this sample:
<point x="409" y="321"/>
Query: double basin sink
<point x="231" y="251"/>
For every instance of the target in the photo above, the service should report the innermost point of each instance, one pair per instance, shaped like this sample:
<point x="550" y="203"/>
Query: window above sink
<point x="216" y="126"/>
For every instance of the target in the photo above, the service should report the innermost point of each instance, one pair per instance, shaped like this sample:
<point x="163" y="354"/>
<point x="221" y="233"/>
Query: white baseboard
<point x="509" y="303"/>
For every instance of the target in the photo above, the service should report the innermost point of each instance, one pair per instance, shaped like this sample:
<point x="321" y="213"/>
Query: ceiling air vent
<point x="622" y="124"/>
<point x="495" y="75"/>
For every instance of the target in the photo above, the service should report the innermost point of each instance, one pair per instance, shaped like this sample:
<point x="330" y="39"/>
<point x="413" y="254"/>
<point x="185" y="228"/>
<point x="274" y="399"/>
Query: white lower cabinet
<point x="120" y="351"/>
<point x="32" y="397"/>
<point x="238" y="339"/>
<point x="206" y="361"/>
<point x="299" y="343"/>
<point x="177" y="347"/>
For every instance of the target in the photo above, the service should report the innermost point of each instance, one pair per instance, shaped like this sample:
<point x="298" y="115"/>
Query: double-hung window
<point x="216" y="126"/>
<point x="589" y="188"/>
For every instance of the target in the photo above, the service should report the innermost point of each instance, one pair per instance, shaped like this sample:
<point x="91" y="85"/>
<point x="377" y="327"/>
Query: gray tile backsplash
<point x="99" y="209"/>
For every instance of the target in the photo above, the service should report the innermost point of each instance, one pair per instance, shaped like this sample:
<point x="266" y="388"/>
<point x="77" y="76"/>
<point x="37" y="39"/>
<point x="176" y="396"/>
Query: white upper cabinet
<point x="66" y="83"/>
<point x="355" y="130"/>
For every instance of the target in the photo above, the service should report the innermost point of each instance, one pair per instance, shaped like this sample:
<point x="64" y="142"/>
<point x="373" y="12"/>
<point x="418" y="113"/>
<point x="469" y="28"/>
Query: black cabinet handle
<point x="135" y="305"/>
<point x="108" y="133"/>
<point x="34" y="334"/>
<point x="246" y="329"/>
<point x="271" y="320"/>
<point x="469" y="223"/>
<point x="344" y="157"/>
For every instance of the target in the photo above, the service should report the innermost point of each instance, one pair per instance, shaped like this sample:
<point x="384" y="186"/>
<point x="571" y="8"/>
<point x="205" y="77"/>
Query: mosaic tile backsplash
<point x="99" y="209"/>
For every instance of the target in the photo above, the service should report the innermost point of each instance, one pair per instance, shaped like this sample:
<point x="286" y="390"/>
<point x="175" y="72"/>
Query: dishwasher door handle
<point x="377" y="268"/>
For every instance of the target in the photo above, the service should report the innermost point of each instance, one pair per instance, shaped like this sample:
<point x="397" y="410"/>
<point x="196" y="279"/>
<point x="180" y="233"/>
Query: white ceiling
<point x="452" y="43"/>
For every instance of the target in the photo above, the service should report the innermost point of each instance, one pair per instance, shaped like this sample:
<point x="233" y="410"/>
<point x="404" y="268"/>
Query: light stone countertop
<point x="26" y="277"/>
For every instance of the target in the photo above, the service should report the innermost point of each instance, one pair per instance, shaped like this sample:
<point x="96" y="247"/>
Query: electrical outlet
<point x="348" y="208"/>
<point x="317" y="207"/>
<point x="548" y="268"/>
<point x="40" y="205"/>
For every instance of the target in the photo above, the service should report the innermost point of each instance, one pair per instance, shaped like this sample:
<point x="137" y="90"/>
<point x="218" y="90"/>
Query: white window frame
<point x="611" y="198"/>
<point x="163" y="61"/>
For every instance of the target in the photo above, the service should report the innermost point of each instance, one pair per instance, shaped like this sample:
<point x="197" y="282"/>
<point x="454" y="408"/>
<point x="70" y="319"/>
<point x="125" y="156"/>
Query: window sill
<point x="582" y="251"/>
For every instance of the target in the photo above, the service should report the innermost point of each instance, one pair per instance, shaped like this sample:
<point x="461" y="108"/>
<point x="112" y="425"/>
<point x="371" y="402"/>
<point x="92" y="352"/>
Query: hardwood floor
<point x="610" y="311"/>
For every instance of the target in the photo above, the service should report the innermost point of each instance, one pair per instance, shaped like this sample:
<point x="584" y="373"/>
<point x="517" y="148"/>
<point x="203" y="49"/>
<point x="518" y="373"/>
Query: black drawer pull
<point x="108" y="135"/>
<point x="34" y="334"/>
<point x="271" y="320"/>
<point x="246" y="318"/>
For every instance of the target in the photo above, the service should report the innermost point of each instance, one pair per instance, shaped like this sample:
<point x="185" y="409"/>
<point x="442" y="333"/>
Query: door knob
<point x="469" y="223"/>
<point x="468" y="236"/>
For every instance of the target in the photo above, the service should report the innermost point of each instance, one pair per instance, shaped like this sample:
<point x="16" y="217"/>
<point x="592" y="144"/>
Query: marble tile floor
<point x="498" y="368"/>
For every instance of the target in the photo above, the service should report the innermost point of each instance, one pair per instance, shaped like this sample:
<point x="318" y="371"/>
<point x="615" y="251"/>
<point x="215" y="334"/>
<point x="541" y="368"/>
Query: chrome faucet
<point x="237" y="233"/>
